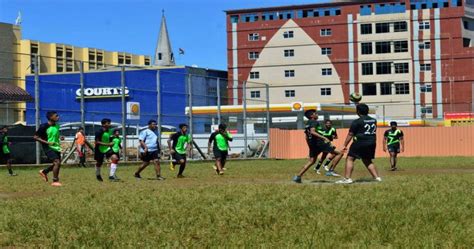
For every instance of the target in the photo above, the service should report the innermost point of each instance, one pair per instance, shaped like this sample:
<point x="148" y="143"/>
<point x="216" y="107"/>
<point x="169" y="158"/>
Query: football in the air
<point x="355" y="97"/>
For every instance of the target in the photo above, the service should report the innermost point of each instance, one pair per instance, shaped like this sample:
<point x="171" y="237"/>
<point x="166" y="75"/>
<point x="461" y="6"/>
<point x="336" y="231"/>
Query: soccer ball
<point x="355" y="97"/>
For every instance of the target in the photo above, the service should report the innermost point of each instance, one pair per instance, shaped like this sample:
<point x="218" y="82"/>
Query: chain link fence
<point x="132" y="95"/>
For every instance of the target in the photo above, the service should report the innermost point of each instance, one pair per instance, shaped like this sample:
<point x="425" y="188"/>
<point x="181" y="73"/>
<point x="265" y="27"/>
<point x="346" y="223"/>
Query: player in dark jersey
<point x="317" y="143"/>
<point x="363" y="134"/>
<point x="179" y="143"/>
<point x="220" y="139"/>
<point x="5" y="155"/>
<point x="330" y="133"/>
<point x="103" y="149"/>
<point x="48" y="136"/>
<point x="392" y="139"/>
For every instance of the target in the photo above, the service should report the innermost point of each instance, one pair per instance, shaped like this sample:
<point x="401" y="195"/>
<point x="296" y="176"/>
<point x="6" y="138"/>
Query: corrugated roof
<point x="9" y="92"/>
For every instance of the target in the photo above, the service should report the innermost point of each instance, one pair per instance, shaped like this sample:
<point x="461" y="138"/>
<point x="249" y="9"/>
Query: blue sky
<point x="132" y="25"/>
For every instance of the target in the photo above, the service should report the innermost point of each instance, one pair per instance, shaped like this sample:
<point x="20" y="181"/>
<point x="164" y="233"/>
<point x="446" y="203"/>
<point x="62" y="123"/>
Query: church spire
<point x="164" y="54"/>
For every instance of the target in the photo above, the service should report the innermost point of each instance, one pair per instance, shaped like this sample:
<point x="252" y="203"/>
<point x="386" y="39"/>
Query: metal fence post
<point x="158" y="102"/>
<point x="37" y="106"/>
<point x="219" y="121"/>
<point x="190" y="105"/>
<point x="267" y="93"/>
<point x="124" y="114"/>
<point x="81" y="80"/>
<point x="244" y="115"/>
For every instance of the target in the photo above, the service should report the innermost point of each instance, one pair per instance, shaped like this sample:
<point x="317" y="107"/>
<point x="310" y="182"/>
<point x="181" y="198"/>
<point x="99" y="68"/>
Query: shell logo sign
<point x="133" y="110"/>
<point x="297" y="106"/>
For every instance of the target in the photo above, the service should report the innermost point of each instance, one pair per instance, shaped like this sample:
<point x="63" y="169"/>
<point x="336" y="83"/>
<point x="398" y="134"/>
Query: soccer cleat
<point x="99" y="178"/>
<point x="345" y="181"/>
<point x="160" y="178"/>
<point x="56" y="184"/>
<point x="214" y="167"/>
<point x="378" y="179"/>
<point x="326" y="168"/>
<point x="179" y="176"/>
<point x="332" y="173"/>
<point x="172" y="167"/>
<point x="137" y="176"/>
<point x="221" y="173"/>
<point x="43" y="175"/>
<point x="114" y="178"/>
<point x="12" y="174"/>
<point x="318" y="172"/>
<point x="297" y="179"/>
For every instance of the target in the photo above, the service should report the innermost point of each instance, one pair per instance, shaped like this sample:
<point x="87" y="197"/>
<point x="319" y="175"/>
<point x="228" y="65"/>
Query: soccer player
<point x="178" y="143"/>
<point x="363" y="134"/>
<point x="103" y="148"/>
<point x="391" y="141"/>
<point x="5" y="156"/>
<point x="317" y="143"/>
<point x="116" y="147"/>
<point x="330" y="133"/>
<point x="48" y="136"/>
<point x="220" y="139"/>
<point x="81" y="146"/>
<point x="150" y="149"/>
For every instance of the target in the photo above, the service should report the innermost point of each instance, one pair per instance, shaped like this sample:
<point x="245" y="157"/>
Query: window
<point x="147" y="62"/>
<point x="121" y="60"/>
<point x="327" y="13"/>
<point x="400" y="26"/>
<point x="255" y="75"/>
<point x="425" y="67"/>
<point x="446" y="4"/>
<point x="400" y="46"/>
<point x="160" y="57"/>
<point x="59" y="52"/>
<point x="426" y="88"/>
<point x="326" y="32"/>
<point x="253" y="55"/>
<point x="289" y="93"/>
<point x="289" y="73"/>
<point x="369" y="89"/>
<point x="386" y="88"/>
<point x="289" y="53"/>
<point x="254" y="94"/>
<point x="69" y="66"/>
<point x="326" y="51"/>
<point x="288" y="34"/>
<point x="367" y="68"/>
<point x="325" y="91"/>
<point x="366" y="29"/>
<point x="326" y="71"/>
<point x="254" y="37"/>
<point x="384" y="68"/>
<point x="234" y="19"/>
<point x="100" y="56"/>
<point x="337" y="12"/>
<point x="382" y="28"/>
<point x="434" y="5"/>
<point x="427" y="110"/>
<point x="382" y="47"/>
<point x="128" y="60"/>
<point x="402" y="88"/>
<point x="424" y="45"/>
<point x="68" y="53"/>
<point x="366" y="47"/>
<point x="91" y="56"/>
<point x="401" y="67"/>
<point x="59" y="66"/>
<point x="466" y="24"/>
<point x="424" y="6"/>
<point x="466" y="42"/>
<point x="424" y="25"/>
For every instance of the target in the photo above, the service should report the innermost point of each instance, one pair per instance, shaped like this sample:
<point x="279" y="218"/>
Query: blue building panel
<point x="59" y="92"/>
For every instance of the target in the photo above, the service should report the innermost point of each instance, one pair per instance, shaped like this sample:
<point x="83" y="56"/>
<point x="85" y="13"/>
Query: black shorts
<point x="394" y="148"/>
<point x="99" y="156"/>
<point x="316" y="148"/>
<point x="53" y="155"/>
<point x="150" y="156"/>
<point x="4" y="158"/>
<point x="220" y="154"/>
<point x="362" y="150"/>
<point x="178" y="157"/>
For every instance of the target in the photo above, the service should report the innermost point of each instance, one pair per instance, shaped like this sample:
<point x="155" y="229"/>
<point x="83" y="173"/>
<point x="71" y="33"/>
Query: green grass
<point x="428" y="204"/>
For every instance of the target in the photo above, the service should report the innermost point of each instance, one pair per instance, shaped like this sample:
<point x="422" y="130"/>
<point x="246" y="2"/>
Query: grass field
<point x="428" y="203"/>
